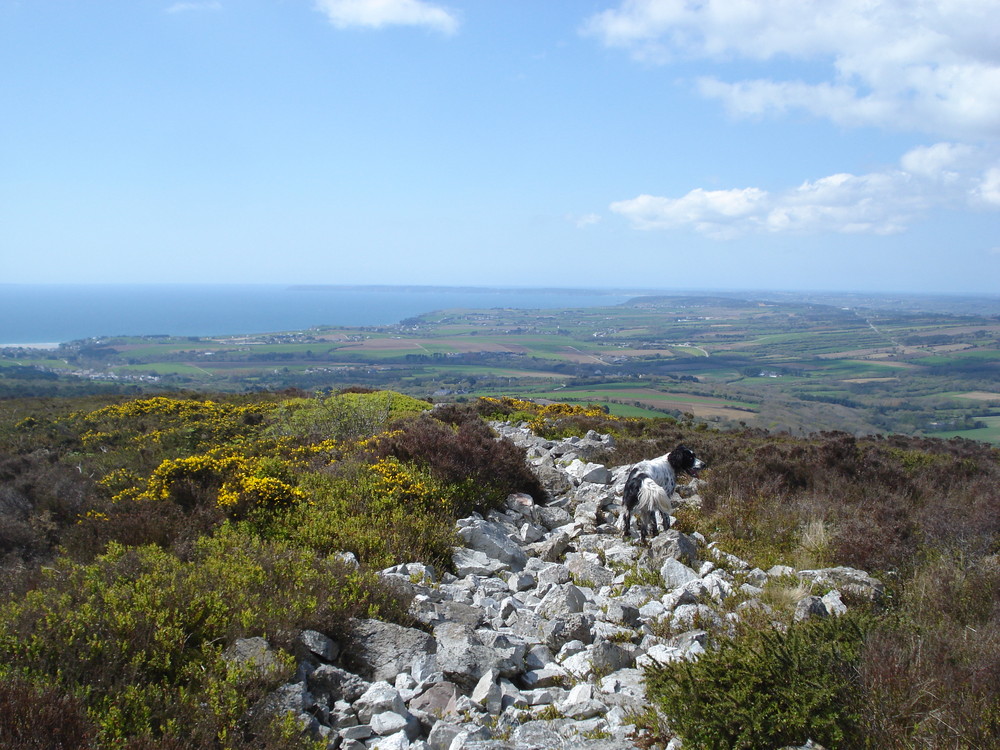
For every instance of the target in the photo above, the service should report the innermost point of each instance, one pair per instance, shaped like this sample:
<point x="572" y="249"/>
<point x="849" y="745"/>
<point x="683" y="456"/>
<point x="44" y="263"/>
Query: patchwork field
<point x="793" y="365"/>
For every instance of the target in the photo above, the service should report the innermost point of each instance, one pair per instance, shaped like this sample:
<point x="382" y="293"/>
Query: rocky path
<point x="540" y="640"/>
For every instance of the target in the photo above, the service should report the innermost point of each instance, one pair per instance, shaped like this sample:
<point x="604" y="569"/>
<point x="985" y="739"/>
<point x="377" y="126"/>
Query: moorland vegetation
<point x="140" y="537"/>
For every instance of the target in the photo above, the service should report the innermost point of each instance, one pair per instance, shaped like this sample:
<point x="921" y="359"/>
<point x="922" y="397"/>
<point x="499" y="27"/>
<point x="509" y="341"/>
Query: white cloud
<point x="584" y="220"/>
<point x="988" y="190"/>
<point x="717" y="213"/>
<point x="939" y="161"/>
<point x="379" y="13"/>
<point x="182" y="7"/>
<point x="885" y="202"/>
<point x="921" y="65"/>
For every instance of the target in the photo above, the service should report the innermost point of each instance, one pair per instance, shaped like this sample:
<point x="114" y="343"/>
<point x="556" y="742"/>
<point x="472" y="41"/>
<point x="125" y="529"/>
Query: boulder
<point x="254" y="652"/>
<point x="492" y="539"/>
<point x="473" y="562"/>
<point x="292" y="698"/>
<point x="379" y="650"/>
<point x="850" y="580"/>
<point x="589" y="472"/>
<point x="810" y="606"/>
<point x="563" y="599"/>
<point x="554" y="481"/>
<point x="672" y="544"/>
<point x="564" y="628"/>
<point x="390" y="722"/>
<point x="398" y="741"/>
<point x="587" y="566"/>
<point x="442" y="735"/>
<point x="833" y="603"/>
<point x="606" y="657"/>
<point x="552" y="548"/>
<point x="464" y="659"/>
<point x="553" y="676"/>
<point x="675" y="574"/>
<point x="537" y="735"/>
<point x="623" y="614"/>
<point x="377" y="699"/>
<point x="438" y="700"/>
<point x="336" y="684"/>
<point x="488" y="693"/>
<point x="552" y="517"/>
<point x="317" y="644"/>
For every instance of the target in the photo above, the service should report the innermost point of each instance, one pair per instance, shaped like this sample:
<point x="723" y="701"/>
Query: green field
<point x="785" y="365"/>
<point x="988" y="434"/>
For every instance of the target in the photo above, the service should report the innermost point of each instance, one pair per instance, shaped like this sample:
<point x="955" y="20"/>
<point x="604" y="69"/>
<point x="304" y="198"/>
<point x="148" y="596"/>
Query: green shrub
<point x="766" y="689"/>
<point x="344" y="416"/>
<point x="385" y="513"/>
<point x="139" y="633"/>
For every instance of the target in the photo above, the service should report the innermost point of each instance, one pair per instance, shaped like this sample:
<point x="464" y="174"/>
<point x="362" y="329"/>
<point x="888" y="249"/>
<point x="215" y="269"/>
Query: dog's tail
<point x="654" y="497"/>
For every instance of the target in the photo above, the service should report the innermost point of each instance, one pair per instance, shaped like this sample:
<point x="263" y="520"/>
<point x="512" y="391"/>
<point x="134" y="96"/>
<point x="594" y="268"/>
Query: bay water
<point x="54" y="313"/>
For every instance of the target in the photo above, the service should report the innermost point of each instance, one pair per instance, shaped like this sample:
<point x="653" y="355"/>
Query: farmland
<point x="789" y="364"/>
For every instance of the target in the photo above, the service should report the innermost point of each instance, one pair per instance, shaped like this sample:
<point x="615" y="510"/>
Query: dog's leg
<point x="630" y="501"/>
<point x="665" y="517"/>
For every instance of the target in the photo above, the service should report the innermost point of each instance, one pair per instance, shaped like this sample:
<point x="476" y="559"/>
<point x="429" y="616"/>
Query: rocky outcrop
<point x="540" y="639"/>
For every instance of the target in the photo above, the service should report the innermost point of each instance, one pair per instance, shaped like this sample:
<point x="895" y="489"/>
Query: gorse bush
<point x="767" y="689"/>
<point x="344" y="416"/>
<point x="384" y="513"/>
<point x="553" y="420"/>
<point x="186" y="523"/>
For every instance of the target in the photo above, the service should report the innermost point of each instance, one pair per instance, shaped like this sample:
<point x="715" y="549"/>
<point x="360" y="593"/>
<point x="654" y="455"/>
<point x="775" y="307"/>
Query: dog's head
<point x="684" y="460"/>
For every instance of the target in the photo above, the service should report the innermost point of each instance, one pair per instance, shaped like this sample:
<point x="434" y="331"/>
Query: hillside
<point x="152" y="546"/>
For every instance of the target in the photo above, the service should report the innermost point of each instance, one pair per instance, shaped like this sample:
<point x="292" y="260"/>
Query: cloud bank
<point x="377" y="14"/>
<point x="886" y="202"/>
<point x="930" y="66"/>
<point x="920" y="65"/>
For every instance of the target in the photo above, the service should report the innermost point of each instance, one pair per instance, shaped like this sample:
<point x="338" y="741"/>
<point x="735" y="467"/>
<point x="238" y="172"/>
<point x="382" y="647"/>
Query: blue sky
<point x="781" y="144"/>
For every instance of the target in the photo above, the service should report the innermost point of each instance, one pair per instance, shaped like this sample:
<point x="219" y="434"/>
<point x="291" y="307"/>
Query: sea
<point x="49" y="314"/>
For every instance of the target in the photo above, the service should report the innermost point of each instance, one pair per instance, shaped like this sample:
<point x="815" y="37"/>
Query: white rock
<point x="675" y="573"/>
<point x="659" y="655"/>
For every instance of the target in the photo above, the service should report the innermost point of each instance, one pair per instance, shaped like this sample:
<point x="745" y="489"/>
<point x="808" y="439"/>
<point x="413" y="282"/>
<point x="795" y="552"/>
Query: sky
<point x="827" y="145"/>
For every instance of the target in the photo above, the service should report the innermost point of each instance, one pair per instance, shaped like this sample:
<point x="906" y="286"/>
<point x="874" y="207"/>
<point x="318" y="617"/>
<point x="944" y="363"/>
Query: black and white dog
<point x="649" y="486"/>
